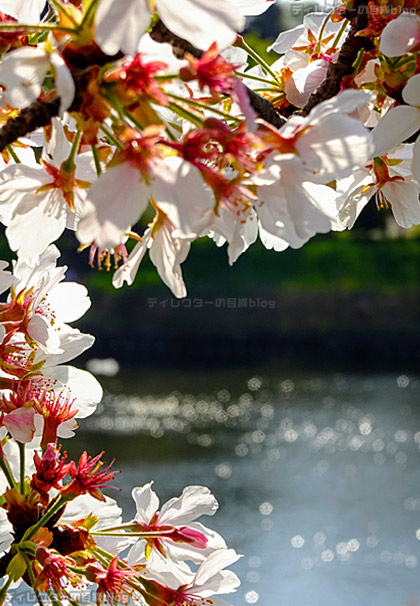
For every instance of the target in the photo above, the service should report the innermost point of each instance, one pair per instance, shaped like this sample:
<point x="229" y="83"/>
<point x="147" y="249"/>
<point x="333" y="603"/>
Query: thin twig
<point x="264" y="109"/>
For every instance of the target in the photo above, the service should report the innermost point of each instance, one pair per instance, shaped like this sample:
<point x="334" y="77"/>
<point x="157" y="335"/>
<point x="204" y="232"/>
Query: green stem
<point x="70" y="599"/>
<point x="105" y="554"/>
<point x="4" y="590"/>
<point x="123" y="112"/>
<point x="47" y="516"/>
<point x="268" y="89"/>
<point x="31" y="577"/>
<point x="252" y="77"/>
<point x="147" y="535"/>
<point x="401" y="60"/>
<point x="134" y="120"/>
<point x="13" y="27"/>
<point x="112" y="137"/>
<point x="22" y="466"/>
<point x="13" y="154"/>
<point x="278" y="98"/>
<point x="340" y="33"/>
<point x="240" y="43"/>
<point x="117" y="105"/>
<point x="61" y="8"/>
<point x="358" y="61"/>
<point x="170" y="134"/>
<point x="96" y="160"/>
<point x="186" y="115"/>
<point x="165" y="77"/>
<point x="317" y="48"/>
<point x="195" y="103"/>
<point x="7" y="472"/>
<point x="87" y="14"/>
<point x="68" y="165"/>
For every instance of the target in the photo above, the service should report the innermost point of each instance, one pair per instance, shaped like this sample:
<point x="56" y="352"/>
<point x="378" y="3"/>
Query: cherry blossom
<point x="25" y="11"/>
<point x="182" y="538"/>
<point x="121" y="25"/>
<point x="87" y="478"/>
<point x="38" y="201"/>
<point x="401" y="122"/>
<point x="210" y="579"/>
<point x="401" y="35"/>
<point x="22" y="73"/>
<point x="388" y="178"/>
<point x="53" y="302"/>
<point x="158" y="150"/>
<point x="291" y="211"/>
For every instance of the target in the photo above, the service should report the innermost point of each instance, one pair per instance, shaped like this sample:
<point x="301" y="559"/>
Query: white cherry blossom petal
<point x="212" y="566"/>
<point x="69" y="300"/>
<point x="167" y="570"/>
<point x="253" y="7"/>
<point x="344" y="103"/>
<point x="83" y="387"/>
<point x="404" y="199"/>
<point x="37" y="222"/>
<point x="6" y="278"/>
<point x="108" y="514"/>
<point x="167" y="253"/>
<point x="400" y="35"/>
<point x="128" y="271"/>
<point x="64" y="82"/>
<point x="416" y="160"/>
<point x="195" y="501"/>
<point x="115" y="202"/>
<point x="287" y="39"/>
<point x="147" y="503"/>
<point x="72" y="344"/>
<point x="25" y="11"/>
<point x="411" y="91"/>
<point x="22" y="72"/>
<point x="202" y="22"/>
<point x="39" y="329"/>
<point x="395" y="127"/>
<point x="304" y="81"/>
<point x="334" y="145"/>
<point x="121" y="25"/>
<point x="20" y="424"/>
<point x="179" y="192"/>
<point x="6" y="530"/>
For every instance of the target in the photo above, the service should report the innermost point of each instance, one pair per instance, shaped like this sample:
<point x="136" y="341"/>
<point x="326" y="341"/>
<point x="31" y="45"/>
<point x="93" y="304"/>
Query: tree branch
<point x="330" y="87"/>
<point x="29" y="119"/>
<point x="263" y="107"/>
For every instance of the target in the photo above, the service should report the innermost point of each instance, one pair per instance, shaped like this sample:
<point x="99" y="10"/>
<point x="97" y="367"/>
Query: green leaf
<point x="17" y="567"/>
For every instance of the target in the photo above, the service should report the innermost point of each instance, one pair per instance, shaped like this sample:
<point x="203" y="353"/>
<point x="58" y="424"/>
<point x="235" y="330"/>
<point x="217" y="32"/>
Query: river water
<point x="317" y="475"/>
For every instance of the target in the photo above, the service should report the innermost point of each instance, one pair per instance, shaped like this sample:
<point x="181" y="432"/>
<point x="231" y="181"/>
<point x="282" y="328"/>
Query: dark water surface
<point x="317" y="475"/>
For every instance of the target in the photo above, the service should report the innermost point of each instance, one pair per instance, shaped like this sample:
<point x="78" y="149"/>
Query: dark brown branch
<point x="263" y="107"/>
<point x="29" y="119"/>
<point x="40" y="113"/>
<point x="330" y="87"/>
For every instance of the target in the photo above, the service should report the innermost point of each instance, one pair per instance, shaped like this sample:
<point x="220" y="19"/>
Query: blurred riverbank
<point x="337" y="302"/>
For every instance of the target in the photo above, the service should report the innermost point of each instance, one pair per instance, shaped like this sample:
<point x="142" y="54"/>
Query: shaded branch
<point x="29" y="119"/>
<point x="330" y="87"/>
<point x="263" y="107"/>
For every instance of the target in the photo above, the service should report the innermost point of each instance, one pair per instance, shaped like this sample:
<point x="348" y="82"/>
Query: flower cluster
<point x="139" y="125"/>
<point x="58" y="530"/>
<point x="146" y="151"/>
